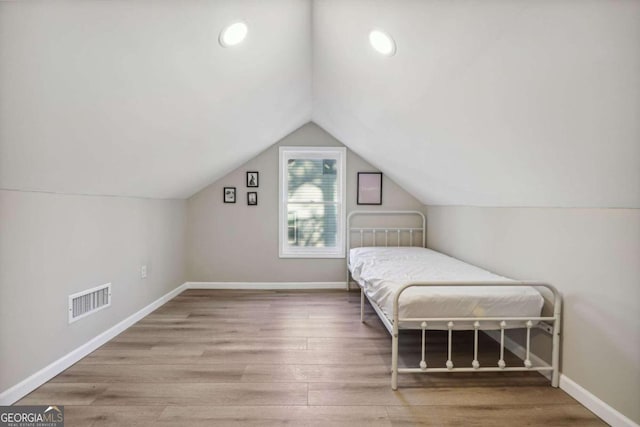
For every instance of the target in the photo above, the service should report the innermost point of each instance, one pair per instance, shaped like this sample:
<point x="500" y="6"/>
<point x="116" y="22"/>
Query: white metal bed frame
<point x="550" y="324"/>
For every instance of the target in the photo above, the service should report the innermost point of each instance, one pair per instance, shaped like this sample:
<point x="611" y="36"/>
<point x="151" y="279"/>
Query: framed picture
<point x="252" y="198"/>
<point x="369" y="188"/>
<point x="252" y="179"/>
<point x="229" y="194"/>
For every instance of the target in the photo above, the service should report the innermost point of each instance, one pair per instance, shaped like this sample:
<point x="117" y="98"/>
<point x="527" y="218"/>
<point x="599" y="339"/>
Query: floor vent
<point x="87" y="302"/>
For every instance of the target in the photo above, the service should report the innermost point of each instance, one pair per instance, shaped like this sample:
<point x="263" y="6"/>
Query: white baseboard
<point x="29" y="384"/>
<point x="573" y="389"/>
<point x="594" y="404"/>
<point x="267" y="286"/>
<point x="520" y="351"/>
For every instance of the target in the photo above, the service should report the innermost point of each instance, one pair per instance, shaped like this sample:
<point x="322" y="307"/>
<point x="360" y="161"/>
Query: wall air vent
<point x="87" y="302"/>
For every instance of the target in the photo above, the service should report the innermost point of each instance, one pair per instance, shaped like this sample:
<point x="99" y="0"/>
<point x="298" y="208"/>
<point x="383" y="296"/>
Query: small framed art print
<point x="229" y="194"/>
<point x="252" y="179"/>
<point x="369" y="188"/>
<point x="252" y="198"/>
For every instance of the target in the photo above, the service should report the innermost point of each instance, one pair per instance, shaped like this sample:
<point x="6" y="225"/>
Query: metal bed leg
<point x="394" y="358"/>
<point x="555" y="357"/>
<point x="362" y="305"/>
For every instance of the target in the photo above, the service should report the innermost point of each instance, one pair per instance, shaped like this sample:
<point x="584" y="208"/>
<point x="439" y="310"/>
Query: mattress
<point x="381" y="271"/>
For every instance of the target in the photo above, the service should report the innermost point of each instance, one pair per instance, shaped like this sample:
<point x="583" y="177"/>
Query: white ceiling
<point x="137" y="98"/>
<point x="492" y="103"/>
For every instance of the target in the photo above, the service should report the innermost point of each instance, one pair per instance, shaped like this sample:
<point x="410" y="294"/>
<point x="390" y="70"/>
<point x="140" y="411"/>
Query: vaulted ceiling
<point x="490" y="103"/>
<point x="137" y="98"/>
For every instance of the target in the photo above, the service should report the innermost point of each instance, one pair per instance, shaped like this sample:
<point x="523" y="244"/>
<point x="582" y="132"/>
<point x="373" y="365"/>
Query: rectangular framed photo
<point x="252" y="198"/>
<point x="369" y="188"/>
<point x="229" y="194"/>
<point x="252" y="179"/>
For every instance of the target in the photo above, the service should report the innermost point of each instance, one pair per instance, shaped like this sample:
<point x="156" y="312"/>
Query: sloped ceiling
<point x="490" y="103"/>
<point x="137" y="98"/>
<point x="493" y="102"/>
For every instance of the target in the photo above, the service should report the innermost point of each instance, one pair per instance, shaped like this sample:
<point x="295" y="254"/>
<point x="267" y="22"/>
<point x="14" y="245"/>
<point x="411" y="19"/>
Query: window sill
<point x="312" y="255"/>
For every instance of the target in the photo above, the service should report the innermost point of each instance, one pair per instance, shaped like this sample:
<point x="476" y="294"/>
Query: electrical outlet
<point x="143" y="272"/>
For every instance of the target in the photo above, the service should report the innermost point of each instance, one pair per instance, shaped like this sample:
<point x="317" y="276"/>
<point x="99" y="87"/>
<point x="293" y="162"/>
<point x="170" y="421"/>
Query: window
<point x="312" y="202"/>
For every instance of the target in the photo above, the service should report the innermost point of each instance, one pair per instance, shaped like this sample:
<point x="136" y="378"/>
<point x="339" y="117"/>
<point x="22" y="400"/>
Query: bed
<point x="412" y="287"/>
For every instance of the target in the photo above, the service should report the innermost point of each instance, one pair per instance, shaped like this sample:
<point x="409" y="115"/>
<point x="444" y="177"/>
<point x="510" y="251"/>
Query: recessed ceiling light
<point x="382" y="42"/>
<point x="233" y="34"/>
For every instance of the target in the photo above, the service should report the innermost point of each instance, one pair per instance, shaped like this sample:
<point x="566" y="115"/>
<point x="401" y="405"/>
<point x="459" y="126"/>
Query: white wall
<point x="237" y="243"/>
<point x="53" y="245"/>
<point x="591" y="255"/>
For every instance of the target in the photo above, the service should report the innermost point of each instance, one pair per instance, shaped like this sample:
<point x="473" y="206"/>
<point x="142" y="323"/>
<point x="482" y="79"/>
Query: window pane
<point x="292" y="228"/>
<point x="313" y="225"/>
<point x="312" y="180"/>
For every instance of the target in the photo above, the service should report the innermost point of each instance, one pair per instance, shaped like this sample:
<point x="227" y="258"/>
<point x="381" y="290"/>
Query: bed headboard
<point x="394" y="234"/>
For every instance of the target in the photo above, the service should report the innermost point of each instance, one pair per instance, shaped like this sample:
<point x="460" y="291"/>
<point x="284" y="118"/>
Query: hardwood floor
<point x="294" y="358"/>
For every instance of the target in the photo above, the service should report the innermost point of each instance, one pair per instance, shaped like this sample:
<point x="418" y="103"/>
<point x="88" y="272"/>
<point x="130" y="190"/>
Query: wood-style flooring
<point x="294" y="358"/>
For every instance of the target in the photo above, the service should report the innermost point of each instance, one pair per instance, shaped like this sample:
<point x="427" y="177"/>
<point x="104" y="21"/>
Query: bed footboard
<point x="477" y="322"/>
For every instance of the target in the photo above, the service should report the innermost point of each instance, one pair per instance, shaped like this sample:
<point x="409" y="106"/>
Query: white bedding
<point x="381" y="271"/>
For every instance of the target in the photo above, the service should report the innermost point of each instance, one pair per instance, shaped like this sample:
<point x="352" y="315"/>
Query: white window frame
<point x="288" y="153"/>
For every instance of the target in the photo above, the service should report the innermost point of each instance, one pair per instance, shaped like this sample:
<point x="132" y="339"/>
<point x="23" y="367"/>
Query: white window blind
<point x="312" y="181"/>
